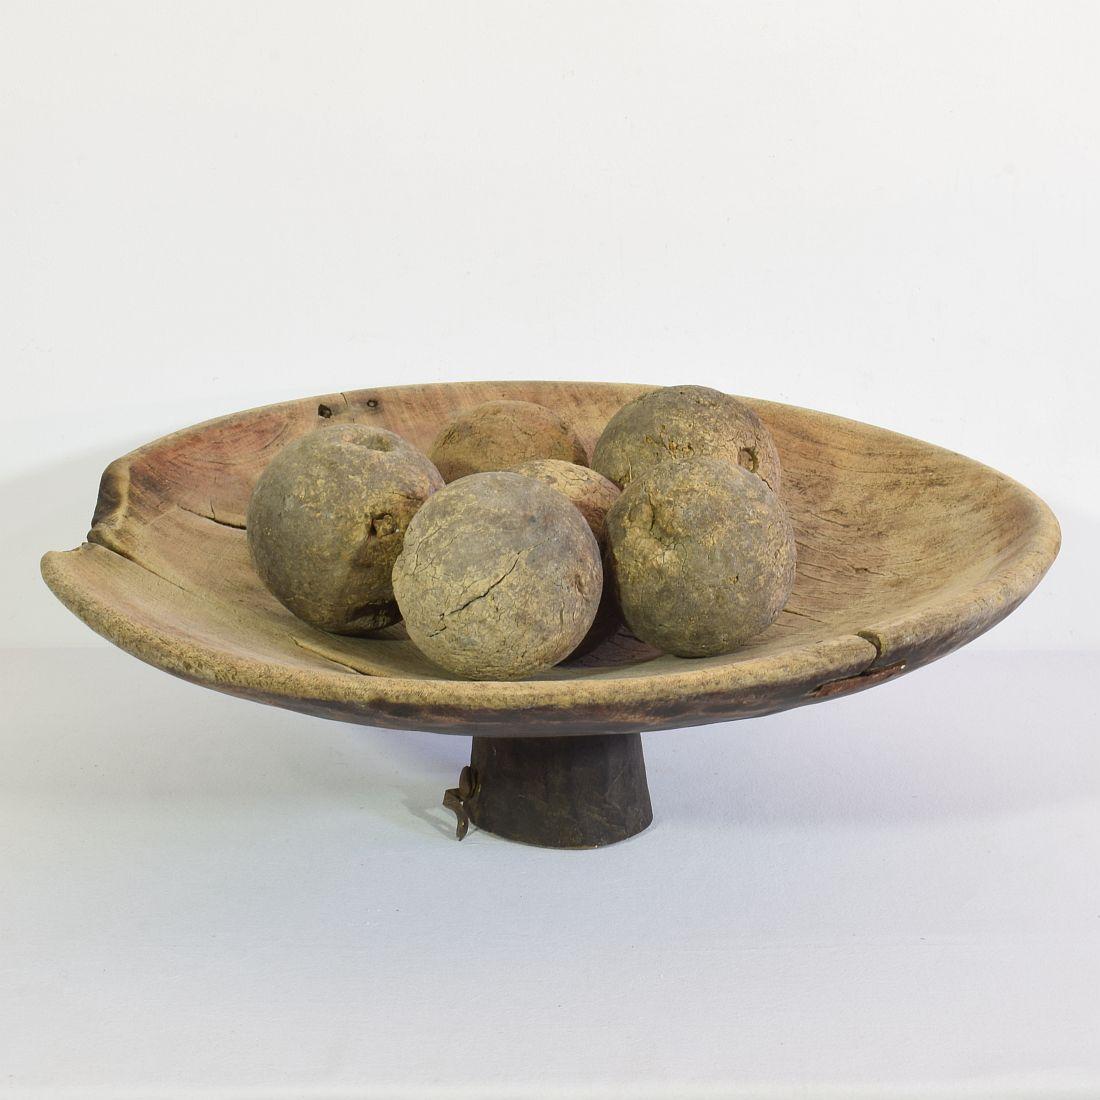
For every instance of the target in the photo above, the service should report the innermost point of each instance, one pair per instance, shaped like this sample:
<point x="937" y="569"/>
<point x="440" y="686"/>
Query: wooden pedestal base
<point x="555" y="792"/>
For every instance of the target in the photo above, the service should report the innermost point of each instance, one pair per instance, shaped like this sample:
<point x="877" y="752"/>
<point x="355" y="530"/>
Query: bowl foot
<point x="555" y="792"/>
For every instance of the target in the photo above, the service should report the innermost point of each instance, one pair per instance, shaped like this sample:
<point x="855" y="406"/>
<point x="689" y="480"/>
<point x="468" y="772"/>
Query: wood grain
<point x="906" y="551"/>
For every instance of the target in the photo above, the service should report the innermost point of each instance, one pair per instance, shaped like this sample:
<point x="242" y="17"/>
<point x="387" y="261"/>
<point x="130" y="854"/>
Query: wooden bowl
<point x="905" y="552"/>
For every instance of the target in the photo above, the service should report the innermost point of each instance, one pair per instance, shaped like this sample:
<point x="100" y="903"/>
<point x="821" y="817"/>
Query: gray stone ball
<point x="684" y="422"/>
<point x="500" y="577"/>
<point x="497" y="435"/>
<point x="326" y="521"/>
<point x="702" y="555"/>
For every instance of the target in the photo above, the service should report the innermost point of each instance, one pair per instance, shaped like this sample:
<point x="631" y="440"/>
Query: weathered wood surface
<point x="557" y="792"/>
<point x="906" y="551"/>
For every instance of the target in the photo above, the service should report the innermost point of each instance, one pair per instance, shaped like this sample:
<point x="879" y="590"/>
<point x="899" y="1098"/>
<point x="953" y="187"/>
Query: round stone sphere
<point x="684" y="422"/>
<point x="499" y="577"/>
<point x="702" y="554"/>
<point x="591" y="493"/>
<point x="499" y="434"/>
<point x="326" y="522"/>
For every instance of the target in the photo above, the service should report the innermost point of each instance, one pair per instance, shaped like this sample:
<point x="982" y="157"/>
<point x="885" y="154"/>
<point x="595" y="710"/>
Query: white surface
<point x="898" y="892"/>
<point x="886" y="211"/>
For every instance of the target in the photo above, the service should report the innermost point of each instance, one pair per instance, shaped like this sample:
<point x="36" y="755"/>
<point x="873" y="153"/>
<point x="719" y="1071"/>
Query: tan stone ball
<point x="702" y="555"/>
<point x="500" y="577"/>
<point x="683" y="422"/>
<point x="326" y="522"/>
<point x="591" y="493"/>
<point x="499" y="434"/>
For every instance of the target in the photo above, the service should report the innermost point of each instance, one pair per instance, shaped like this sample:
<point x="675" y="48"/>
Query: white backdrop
<point x="887" y="211"/>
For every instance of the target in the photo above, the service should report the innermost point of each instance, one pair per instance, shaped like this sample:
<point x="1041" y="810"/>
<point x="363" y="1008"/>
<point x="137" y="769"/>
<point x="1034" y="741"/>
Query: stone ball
<point x="499" y="577"/>
<point x="683" y="422"/>
<point x="591" y="493"/>
<point x="326" y="521"/>
<point x="702" y="554"/>
<point x="499" y="434"/>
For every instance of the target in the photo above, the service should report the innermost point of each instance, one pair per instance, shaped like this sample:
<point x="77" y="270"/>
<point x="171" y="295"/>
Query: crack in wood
<point x="212" y="518"/>
<point x="325" y="656"/>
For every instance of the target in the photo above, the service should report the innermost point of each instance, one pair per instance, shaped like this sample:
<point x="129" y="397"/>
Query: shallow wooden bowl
<point x="905" y="552"/>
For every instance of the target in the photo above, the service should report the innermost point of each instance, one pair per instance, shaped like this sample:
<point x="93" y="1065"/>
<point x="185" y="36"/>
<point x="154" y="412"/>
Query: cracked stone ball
<point x="702" y="554"/>
<point x="500" y="577"/>
<point x="681" y="422"/>
<point x="326" y="521"/>
<point x="499" y="434"/>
